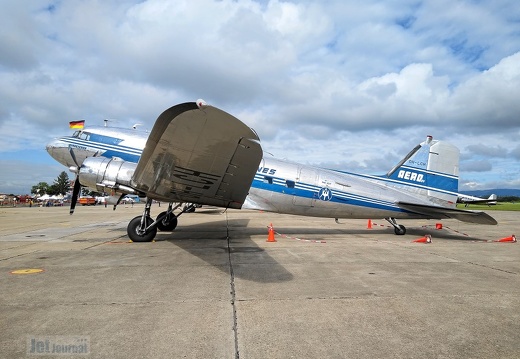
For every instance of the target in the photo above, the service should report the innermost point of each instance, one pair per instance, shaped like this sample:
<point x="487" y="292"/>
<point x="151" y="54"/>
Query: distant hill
<point x="500" y="192"/>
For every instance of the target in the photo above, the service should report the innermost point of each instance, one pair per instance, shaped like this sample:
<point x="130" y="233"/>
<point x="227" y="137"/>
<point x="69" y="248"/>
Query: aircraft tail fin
<point x="431" y="170"/>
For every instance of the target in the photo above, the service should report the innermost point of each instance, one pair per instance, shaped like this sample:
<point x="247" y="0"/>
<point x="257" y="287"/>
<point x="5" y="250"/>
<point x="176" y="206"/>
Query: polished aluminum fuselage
<point x="287" y="187"/>
<point x="279" y="186"/>
<point x="109" y="142"/>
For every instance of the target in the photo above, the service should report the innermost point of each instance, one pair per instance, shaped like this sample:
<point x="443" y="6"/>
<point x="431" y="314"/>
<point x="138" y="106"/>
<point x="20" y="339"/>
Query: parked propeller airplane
<point x="467" y="200"/>
<point x="197" y="154"/>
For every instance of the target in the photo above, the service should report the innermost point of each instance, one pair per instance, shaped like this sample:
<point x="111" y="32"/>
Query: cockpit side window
<point x="76" y="134"/>
<point x="84" y="135"/>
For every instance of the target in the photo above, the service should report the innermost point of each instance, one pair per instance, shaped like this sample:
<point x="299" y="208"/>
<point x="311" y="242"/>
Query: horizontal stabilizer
<point x="442" y="212"/>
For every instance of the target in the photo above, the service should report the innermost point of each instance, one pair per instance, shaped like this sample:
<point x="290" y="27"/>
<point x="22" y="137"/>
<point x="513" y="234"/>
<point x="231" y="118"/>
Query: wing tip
<point x="201" y="104"/>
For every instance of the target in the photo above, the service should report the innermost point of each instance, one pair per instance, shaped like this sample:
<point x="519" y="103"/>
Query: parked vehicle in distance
<point x="87" y="201"/>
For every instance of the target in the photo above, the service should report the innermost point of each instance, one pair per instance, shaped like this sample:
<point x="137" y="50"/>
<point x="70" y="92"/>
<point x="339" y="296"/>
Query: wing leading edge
<point x="198" y="155"/>
<point x="441" y="212"/>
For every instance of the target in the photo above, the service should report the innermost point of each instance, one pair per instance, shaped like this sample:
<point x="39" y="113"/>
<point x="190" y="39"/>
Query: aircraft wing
<point x="198" y="155"/>
<point x="441" y="212"/>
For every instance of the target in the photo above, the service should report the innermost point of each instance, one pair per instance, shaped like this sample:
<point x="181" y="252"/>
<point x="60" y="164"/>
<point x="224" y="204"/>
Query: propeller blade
<point x="75" y="194"/>
<point x="77" y="185"/>
<point x="71" y="151"/>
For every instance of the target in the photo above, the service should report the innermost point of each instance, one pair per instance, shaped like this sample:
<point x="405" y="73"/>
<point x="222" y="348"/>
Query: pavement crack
<point x="232" y="292"/>
<point x="493" y="268"/>
<point x="18" y="255"/>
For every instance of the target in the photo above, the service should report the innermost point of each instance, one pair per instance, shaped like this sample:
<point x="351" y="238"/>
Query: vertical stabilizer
<point x="431" y="170"/>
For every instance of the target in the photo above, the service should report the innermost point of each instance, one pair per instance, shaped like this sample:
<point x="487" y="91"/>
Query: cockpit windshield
<point x="81" y="134"/>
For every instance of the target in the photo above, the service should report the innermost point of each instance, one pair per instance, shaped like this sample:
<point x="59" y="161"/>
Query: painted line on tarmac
<point x="27" y="271"/>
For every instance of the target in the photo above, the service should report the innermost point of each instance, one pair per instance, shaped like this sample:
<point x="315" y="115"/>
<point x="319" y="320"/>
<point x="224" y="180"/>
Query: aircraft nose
<point x="54" y="145"/>
<point x="59" y="150"/>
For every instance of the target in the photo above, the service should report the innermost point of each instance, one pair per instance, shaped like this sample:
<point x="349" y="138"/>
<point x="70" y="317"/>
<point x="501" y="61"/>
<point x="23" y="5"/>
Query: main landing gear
<point x="399" y="229"/>
<point x="144" y="229"/>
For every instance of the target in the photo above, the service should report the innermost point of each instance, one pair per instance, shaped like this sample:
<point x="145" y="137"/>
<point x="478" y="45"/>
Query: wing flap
<point x="441" y="212"/>
<point x="198" y="155"/>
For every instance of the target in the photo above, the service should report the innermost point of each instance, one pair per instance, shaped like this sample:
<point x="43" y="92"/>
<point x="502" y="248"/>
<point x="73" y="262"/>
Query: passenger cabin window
<point x="289" y="184"/>
<point x="268" y="179"/>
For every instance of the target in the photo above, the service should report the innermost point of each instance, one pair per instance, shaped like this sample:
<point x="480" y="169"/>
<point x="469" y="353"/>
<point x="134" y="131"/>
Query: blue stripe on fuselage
<point x="305" y="190"/>
<point x="126" y="153"/>
<point x="430" y="179"/>
<point x="448" y="184"/>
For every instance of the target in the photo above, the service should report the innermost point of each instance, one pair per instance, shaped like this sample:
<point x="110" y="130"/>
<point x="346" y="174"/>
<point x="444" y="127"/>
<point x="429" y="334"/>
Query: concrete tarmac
<point x="215" y="288"/>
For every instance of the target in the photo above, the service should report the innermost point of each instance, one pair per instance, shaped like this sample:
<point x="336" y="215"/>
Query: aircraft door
<point x="306" y="182"/>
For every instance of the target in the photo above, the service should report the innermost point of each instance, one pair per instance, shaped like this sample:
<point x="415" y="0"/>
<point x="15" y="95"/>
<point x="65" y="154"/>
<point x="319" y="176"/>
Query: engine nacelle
<point x="107" y="175"/>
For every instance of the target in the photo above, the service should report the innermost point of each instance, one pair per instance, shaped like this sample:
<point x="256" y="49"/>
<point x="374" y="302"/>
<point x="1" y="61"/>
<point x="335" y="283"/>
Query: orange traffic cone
<point x="511" y="239"/>
<point x="426" y="239"/>
<point x="270" y="234"/>
<point x="369" y="224"/>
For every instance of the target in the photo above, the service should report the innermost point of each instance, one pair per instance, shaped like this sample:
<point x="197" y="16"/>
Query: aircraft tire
<point x="400" y="230"/>
<point x="133" y="233"/>
<point x="168" y="224"/>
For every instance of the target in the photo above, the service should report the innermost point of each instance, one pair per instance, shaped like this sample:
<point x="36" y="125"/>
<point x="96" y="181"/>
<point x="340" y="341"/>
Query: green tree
<point x="40" y="189"/>
<point x="61" y="184"/>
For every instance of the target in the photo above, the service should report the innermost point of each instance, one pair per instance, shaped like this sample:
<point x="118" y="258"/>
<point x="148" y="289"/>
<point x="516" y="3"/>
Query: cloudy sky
<point x="352" y="85"/>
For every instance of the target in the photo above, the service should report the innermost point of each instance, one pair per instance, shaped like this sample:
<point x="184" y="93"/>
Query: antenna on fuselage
<point x="108" y="120"/>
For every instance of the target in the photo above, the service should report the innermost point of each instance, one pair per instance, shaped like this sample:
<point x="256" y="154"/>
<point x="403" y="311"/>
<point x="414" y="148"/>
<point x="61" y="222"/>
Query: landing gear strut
<point x="144" y="229"/>
<point x="399" y="229"/>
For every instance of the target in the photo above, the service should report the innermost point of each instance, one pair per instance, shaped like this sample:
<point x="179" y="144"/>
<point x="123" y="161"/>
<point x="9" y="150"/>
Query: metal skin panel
<point x="343" y="195"/>
<point x="98" y="141"/>
<point x="429" y="172"/>
<point x="197" y="155"/>
<point x="100" y="173"/>
<point x="322" y="193"/>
